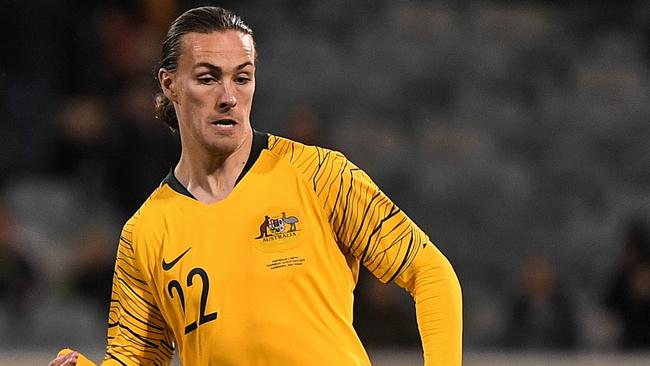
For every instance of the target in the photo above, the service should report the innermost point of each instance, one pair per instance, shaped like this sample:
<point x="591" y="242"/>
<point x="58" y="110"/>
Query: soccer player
<point x="248" y="252"/>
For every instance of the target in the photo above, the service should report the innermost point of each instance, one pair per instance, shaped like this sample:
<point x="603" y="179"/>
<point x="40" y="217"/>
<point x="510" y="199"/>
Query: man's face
<point x="212" y="90"/>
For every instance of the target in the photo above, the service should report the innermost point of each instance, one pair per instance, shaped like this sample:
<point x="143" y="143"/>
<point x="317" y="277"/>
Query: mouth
<point x="225" y="122"/>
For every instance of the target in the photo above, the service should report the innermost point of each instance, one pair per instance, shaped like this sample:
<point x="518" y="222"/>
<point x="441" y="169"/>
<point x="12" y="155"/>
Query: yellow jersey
<point x="265" y="276"/>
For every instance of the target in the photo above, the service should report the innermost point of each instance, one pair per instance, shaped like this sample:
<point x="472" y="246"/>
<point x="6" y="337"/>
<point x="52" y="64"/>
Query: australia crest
<point x="278" y="227"/>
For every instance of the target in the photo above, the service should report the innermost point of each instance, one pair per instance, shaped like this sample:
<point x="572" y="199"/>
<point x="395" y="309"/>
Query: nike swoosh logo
<point x="167" y="266"/>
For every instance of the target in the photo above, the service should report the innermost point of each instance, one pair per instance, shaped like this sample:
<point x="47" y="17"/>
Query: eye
<point x="206" y="80"/>
<point x="242" y="79"/>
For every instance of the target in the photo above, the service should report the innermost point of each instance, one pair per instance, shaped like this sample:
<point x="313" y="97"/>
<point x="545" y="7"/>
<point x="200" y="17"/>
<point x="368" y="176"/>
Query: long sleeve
<point x="435" y="288"/>
<point x="137" y="332"/>
<point x="369" y="226"/>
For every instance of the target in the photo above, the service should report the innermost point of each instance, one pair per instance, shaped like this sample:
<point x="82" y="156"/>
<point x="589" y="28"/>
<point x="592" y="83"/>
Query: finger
<point x="65" y="359"/>
<point x="72" y="361"/>
<point x="58" y="361"/>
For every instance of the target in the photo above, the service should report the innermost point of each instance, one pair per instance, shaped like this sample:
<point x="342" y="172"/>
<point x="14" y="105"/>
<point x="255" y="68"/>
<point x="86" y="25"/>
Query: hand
<point x="68" y="359"/>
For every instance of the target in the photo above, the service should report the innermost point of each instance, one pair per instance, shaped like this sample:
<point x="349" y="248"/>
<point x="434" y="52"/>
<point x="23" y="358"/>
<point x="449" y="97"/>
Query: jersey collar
<point x="260" y="142"/>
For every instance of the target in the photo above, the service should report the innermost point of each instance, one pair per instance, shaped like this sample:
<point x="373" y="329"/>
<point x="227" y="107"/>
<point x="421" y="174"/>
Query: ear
<point x="167" y="82"/>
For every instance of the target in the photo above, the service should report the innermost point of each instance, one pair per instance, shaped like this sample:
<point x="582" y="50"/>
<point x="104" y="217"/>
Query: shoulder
<point x="306" y="158"/>
<point x="149" y="217"/>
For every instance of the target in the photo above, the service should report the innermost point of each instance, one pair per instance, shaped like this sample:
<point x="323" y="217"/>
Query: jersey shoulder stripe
<point x="365" y="221"/>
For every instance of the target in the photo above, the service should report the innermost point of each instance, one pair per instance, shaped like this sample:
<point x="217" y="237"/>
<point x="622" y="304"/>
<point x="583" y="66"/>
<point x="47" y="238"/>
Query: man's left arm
<point x="368" y="225"/>
<point x="387" y="242"/>
<point x="434" y="286"/>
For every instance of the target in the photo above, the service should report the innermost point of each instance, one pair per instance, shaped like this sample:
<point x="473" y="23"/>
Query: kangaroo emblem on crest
<point x="264" y="228"/>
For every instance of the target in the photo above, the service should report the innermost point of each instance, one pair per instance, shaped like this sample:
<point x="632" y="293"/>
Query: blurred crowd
<point x="515" y="133"/>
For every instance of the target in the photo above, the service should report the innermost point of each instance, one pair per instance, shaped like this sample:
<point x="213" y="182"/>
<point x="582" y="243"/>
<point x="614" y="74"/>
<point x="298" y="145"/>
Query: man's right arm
<point x="137" y="331"/>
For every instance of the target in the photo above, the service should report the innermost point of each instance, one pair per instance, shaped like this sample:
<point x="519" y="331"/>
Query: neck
<point x="210" y="177"/>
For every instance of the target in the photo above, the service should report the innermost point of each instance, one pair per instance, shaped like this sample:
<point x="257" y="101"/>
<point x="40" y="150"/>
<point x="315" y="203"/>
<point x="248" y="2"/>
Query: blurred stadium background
<point x="516" y="133"/>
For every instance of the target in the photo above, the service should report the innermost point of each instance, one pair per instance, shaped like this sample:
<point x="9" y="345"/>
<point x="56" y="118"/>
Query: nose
<point x="227" y="99"/>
